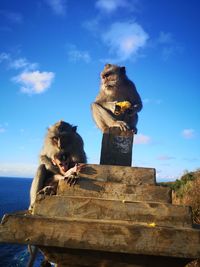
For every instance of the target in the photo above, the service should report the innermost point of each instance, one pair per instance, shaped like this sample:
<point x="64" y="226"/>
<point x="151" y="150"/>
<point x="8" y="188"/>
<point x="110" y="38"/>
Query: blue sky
<point x="51" y="55"/>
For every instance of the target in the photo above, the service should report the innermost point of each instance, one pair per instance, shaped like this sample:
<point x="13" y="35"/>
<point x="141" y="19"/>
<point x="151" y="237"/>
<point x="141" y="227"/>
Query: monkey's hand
<point x="72" y="175"/>
<point x="110" y="105"/>
<point x="122" y="125"/>
<point x="47" y="190"/>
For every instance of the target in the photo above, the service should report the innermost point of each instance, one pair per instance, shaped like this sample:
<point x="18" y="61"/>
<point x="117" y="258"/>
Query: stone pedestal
<point x="116" y="147"/>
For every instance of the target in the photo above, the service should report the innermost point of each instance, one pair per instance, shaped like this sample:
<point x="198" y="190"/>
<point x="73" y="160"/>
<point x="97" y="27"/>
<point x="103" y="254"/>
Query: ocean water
<point x="14" y="196"/>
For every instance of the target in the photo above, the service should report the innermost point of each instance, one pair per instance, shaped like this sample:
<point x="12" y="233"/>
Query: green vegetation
<point x="186" y="191"/>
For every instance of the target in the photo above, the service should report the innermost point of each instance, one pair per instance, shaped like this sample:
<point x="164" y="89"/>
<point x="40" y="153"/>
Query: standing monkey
<point x="118" y="101"/>
<point x="61" y="154"/>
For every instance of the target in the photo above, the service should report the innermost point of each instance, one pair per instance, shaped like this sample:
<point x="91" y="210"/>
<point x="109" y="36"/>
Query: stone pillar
<point x="116" y="148"/>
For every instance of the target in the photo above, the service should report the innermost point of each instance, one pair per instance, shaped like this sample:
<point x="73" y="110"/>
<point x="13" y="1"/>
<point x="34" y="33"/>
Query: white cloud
<point x="125" y="39"/>
<point x="111" y="5"/>
<point x="188" y="133"/>
<point x="77" y="55"/>
<point x="58" y="6"/>
<point x="19" y="63"/>
<point x="142" y="139"/>
<point x="22" y="63"/>
<point x="34" y="82"/>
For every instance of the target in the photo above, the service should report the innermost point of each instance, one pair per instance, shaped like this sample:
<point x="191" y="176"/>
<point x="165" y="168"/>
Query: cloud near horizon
<point x="17" y="169"/>
<point x="165" y="157"/>
<point x="142" y="139"/>
<point x="125" y="39"/>
<point x="34" y="82"/>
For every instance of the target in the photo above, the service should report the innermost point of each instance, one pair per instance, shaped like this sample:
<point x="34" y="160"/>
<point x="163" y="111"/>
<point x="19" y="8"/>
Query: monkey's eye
<point x="64" y="157"/>
<point x="106" y="75"/>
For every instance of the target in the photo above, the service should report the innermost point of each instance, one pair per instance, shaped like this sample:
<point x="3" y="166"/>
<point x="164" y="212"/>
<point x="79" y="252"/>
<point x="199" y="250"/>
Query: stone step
<point x="116" y="191"/>
<point x="89" y="258"/>
<point x="101" y="235"/>
<point x="92" y="208"/>
<point x="126" y="175"/>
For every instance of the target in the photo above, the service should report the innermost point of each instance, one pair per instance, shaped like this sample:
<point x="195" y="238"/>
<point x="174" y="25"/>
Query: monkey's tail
<point x="33" y="253"/>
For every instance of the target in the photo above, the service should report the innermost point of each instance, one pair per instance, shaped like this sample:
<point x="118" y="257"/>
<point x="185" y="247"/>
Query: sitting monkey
<point x="60" y="158"/>
<point x="118" y="101"/>
<point x="61" y="154"/>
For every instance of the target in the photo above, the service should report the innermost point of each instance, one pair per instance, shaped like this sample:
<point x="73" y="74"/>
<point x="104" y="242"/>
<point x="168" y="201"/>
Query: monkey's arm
<point x="137" y="104"/>
<point x="38" y="183"/>
<point x="135" y="98"/>
<point x="105" y="120"/>
<point x="48" y="164"/>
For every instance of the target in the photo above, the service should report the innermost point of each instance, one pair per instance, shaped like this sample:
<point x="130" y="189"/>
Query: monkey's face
<point x="112" y="75"/>
<point x="61" y="136"/>
<point x="62" y="161"/>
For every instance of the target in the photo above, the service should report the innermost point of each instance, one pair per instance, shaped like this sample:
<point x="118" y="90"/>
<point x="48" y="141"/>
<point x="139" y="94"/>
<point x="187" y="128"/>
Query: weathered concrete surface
<point x="116" y="148"/>
<point x="102" y="235"/>
<point x="126" y="175"/>
<point x="116" y="191"/>
<point x="91" y="208"/>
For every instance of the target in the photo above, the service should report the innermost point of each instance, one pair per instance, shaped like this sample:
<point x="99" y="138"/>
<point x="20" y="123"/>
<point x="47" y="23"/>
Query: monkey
<point x="60" y="156"/>
<point x="118" y="101"/>
<point x="62" y="136"/>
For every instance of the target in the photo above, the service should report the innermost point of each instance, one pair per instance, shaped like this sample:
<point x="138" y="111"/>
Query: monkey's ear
<point x="123" y="70"/>
<point x="74" y="128"/>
